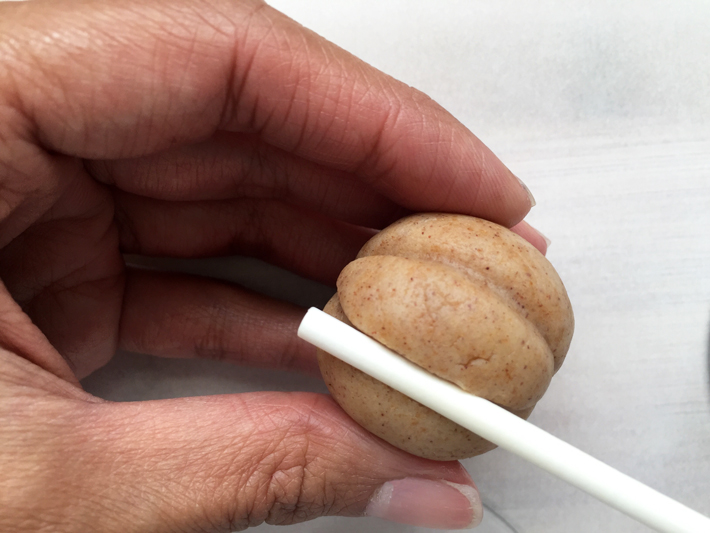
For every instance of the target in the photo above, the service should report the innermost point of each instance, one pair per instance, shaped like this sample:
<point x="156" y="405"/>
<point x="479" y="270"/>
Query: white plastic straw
<point x="501" y="427"/>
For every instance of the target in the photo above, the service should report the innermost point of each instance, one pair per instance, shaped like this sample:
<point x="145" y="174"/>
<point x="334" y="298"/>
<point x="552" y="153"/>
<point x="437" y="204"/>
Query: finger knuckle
<point x="289" y="484"/>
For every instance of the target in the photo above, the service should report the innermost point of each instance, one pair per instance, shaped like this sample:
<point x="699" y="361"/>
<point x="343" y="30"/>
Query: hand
<point x="186" y="129"/>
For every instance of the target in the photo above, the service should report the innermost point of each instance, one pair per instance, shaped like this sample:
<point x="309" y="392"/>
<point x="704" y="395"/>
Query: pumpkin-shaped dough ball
<point x="467" y="300"/>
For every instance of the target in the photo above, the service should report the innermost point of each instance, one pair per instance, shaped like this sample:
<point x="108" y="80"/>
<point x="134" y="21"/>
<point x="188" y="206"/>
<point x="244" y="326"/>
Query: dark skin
<point x="193" y="129"/>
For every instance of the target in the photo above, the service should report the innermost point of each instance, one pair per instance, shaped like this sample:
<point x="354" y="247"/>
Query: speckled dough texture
<point x="466" y="299"/>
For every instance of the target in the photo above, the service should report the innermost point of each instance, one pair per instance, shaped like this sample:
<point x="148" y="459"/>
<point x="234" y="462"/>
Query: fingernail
<point x="533" y="203"/>
<point x="427" y="503"/>
<point x="548" y="242"/>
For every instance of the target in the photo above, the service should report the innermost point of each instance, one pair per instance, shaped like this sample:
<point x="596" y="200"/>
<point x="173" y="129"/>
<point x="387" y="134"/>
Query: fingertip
<point x="531" y="199"/>
<point x="489" y="190"/>
<point x="533" y="236"/>
<point x="427" y="503"/>
<point x="516" y="199"/>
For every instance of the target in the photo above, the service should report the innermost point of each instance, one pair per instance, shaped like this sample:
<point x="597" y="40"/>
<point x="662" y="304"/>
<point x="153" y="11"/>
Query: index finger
<point x="115" y="80"/>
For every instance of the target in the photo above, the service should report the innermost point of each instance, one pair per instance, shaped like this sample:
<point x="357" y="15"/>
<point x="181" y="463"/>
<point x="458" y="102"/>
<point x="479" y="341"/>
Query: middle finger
<point x="302" y="241"/>
<point x="234" y="165"/>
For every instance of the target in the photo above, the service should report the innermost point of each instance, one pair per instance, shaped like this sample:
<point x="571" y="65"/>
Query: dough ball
<point x="467" y="300"/>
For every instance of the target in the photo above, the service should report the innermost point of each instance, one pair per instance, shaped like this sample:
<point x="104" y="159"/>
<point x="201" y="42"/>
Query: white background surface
<point x="603" y="109"/>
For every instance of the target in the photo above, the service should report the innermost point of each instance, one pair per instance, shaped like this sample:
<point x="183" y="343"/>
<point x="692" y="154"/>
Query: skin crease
<point x="192" y="129"/>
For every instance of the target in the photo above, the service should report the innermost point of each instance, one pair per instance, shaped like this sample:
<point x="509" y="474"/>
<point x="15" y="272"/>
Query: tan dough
<point x="464" y="298"/>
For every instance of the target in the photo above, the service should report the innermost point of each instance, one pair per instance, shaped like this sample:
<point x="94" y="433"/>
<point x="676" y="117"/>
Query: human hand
<point x="192" y="129"/>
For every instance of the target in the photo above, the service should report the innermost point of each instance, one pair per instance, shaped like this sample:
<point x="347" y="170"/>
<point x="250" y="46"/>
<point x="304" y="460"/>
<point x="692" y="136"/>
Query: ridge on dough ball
<point x="503" y="260"/>
<point x="463" y="298"/>
<point x="486" y="347"/>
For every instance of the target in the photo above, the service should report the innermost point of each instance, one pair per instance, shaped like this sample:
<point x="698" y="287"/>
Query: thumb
<point x="226" y="463"/>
